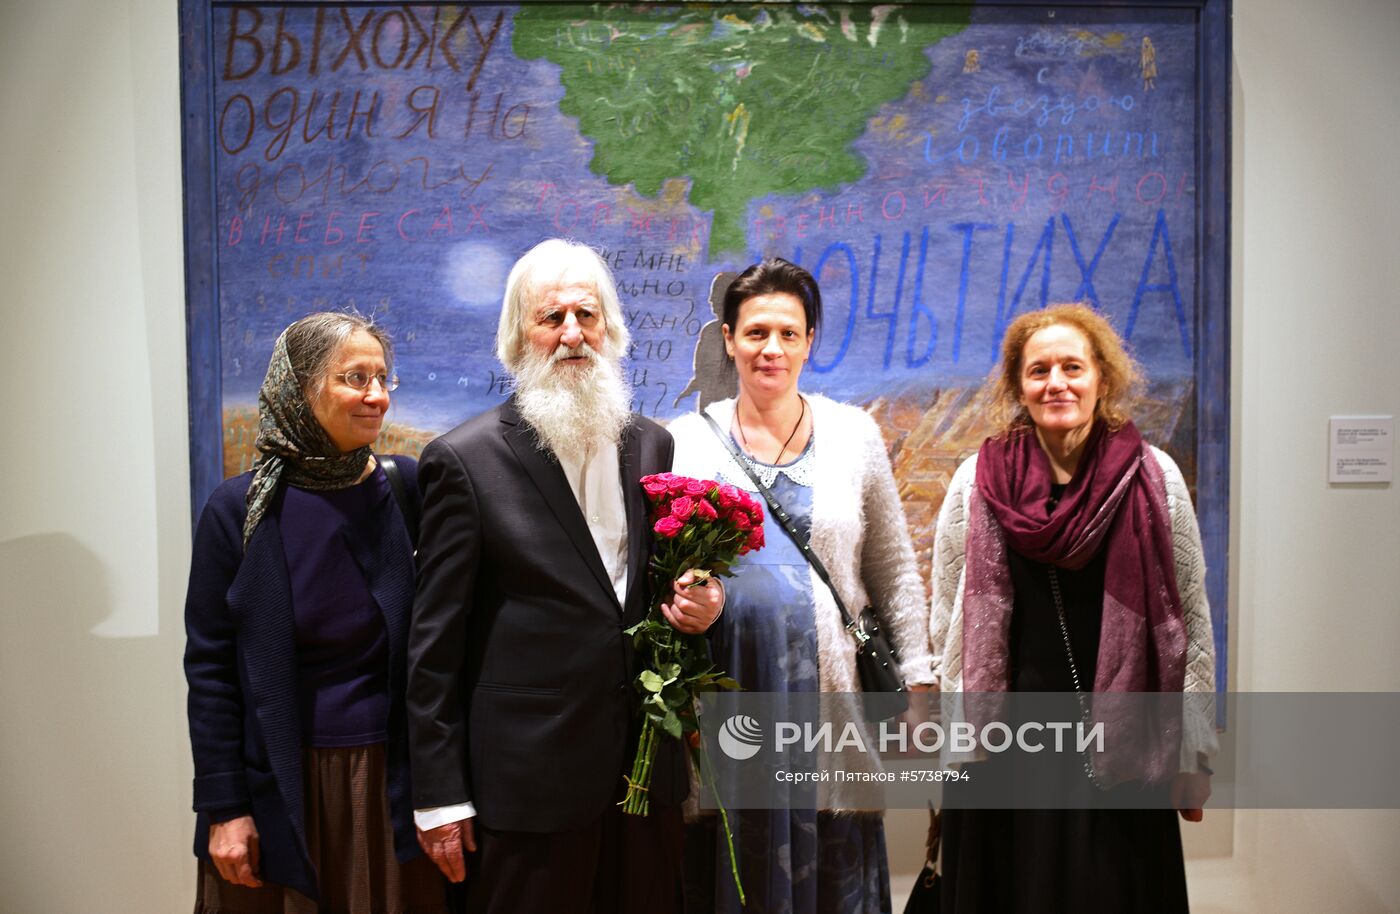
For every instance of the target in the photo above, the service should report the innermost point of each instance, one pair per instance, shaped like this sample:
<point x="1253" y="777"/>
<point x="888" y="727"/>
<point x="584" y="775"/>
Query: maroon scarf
<point x="1116" y="501"/>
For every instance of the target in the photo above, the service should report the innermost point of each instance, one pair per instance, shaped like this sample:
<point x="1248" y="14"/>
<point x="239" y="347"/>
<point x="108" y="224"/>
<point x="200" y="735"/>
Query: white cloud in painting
<point x="475" y="273"/>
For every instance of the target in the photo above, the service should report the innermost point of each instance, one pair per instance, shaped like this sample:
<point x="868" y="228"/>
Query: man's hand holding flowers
<point x="696" y="602"/>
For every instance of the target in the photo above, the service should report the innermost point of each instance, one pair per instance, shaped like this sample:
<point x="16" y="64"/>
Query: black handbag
<point x="877" y="664"/>
<point x="924" y="899"/>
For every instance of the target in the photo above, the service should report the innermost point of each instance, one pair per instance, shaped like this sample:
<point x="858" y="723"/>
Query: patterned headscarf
<point x="294" y="446"/>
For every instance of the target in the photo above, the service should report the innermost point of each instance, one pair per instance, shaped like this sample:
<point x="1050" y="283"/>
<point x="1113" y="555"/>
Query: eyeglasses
<point x="360" y="380"/>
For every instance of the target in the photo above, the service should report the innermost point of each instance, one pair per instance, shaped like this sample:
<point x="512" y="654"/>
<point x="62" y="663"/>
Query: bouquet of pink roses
<point x="704" y="526"/>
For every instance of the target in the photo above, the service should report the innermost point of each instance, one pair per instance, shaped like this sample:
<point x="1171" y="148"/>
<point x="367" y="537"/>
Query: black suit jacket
<point x="520" y="691"/>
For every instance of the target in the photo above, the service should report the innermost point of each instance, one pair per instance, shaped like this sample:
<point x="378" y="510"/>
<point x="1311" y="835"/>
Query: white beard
<point x="574" y="410"/>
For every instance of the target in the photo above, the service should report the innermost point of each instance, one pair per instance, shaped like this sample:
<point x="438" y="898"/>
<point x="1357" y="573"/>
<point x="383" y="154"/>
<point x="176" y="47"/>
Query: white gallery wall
<point x="95" y="523"/>
<point x="1316" y="304"/>
<point x="94" y="530"/>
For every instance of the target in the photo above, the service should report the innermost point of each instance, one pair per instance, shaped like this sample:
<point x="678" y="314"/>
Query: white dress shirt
<point x="596" y="481"/>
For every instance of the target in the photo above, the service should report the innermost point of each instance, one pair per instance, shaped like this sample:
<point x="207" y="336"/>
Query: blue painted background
<point x="1050" y="175"/>
<point x="398" y="160"/>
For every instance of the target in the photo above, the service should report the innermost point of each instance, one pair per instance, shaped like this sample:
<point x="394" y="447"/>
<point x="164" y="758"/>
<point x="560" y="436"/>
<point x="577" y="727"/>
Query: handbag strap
<point x="1074" y="674"/>
<point x="407" y="506"/>
<point x="935" y="838"/>
<point x="777" y="510"/>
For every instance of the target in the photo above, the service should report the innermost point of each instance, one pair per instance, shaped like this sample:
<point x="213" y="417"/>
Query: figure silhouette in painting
<point x="972" y="62"/>
<point x="714" y="377"/>
<point x="1149" y="65"/>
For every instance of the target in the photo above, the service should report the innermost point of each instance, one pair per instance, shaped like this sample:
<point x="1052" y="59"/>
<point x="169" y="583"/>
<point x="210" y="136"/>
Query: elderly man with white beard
<point x="532" y="561"/>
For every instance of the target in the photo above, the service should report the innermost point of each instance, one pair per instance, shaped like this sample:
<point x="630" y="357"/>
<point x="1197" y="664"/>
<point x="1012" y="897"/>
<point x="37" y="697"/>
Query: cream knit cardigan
<point x="949" y="567"/>
<point x="858" y="532"/>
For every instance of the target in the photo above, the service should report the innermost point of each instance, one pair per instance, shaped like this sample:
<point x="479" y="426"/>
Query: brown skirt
<point x="350" y="836"/>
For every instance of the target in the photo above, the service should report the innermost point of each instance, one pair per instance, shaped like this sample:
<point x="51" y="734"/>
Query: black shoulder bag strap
<point x="777" y="509"/>
<point x="408" y="507"/>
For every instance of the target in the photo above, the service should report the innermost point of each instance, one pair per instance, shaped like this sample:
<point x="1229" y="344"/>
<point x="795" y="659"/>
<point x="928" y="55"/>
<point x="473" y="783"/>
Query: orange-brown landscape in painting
<point x="927" y="439"/>
<point x="241" y="431"/>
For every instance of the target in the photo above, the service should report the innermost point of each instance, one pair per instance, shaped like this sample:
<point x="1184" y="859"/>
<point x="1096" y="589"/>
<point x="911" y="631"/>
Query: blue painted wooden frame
<point x="1212" y="311"/>
<point x="201" y="251"/>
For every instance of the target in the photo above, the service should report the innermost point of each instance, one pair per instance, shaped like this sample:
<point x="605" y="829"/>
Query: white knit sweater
<point x="949" y="568"/>
<point x="858" y="532"/>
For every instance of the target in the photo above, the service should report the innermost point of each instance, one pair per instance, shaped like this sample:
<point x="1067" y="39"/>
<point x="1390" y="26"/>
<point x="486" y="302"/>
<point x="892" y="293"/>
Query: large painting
<point x="939" y="168"/>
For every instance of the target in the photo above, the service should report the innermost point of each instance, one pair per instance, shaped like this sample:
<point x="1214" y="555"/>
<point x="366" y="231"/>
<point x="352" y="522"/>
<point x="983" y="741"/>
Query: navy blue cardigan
<point x="240" y="663"/>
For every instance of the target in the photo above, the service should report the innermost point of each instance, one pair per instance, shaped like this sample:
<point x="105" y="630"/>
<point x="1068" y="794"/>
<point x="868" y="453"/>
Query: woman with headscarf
<point x="301" y="586"/>
<point x="1068" y="560"/>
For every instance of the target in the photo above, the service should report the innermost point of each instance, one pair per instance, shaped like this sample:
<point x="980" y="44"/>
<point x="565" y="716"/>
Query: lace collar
<point x="801" y="471"/>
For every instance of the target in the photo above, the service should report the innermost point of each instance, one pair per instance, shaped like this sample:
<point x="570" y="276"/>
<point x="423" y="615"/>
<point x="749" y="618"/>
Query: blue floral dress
<point x="797" y="861"/>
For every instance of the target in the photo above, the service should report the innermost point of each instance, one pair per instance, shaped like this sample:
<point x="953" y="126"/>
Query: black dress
<point x="1043" y="861"/>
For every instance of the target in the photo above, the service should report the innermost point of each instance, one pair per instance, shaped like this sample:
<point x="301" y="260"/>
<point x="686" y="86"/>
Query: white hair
<point x="574" y="411"/>
<point x="553" y="264"/>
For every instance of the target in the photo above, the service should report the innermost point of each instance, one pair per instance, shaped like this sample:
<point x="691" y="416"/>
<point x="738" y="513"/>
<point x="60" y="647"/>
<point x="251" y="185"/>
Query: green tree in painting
<point x="744" y="101"/>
